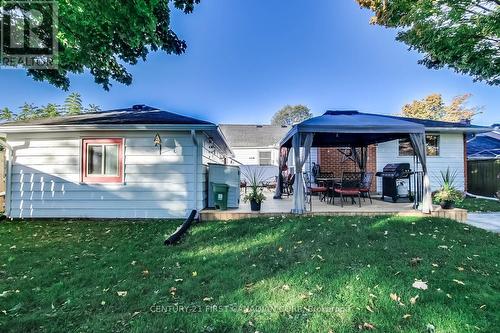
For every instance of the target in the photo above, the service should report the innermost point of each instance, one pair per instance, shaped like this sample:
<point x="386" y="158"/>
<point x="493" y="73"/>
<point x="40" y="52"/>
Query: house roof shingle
<point x="138" y="114"/>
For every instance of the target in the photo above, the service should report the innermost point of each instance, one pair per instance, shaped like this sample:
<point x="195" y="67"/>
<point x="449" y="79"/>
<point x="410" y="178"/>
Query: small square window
<point x="102" y="160"/>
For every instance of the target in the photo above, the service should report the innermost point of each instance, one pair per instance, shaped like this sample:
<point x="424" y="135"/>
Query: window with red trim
<point x="102" y="160"/>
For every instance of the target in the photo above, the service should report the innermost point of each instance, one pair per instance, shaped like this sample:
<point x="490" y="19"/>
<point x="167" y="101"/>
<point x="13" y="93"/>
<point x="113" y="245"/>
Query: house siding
<point x="451" y="155"/>
<point x="250" y="156"/>
<point x="46" y="177"/>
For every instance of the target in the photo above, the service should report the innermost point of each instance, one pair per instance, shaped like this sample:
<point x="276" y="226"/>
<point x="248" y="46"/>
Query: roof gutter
<point x="459" y="129"/>
<point x="100" y="127"/>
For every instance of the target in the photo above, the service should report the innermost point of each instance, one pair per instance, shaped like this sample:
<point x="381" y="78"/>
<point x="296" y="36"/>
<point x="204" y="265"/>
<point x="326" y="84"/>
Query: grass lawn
<point x="267" y="275"/>
<point x="479" y="205"/>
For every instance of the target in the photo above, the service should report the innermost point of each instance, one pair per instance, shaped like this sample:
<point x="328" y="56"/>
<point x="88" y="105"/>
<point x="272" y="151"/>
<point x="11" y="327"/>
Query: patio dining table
<point x="329" y="183"/>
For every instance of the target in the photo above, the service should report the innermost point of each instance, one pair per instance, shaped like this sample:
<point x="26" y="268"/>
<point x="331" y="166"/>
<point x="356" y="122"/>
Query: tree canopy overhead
<point x="461" y="34"/>
<point x="289" y="115"/>
<point x="105" y="36"/>
<point x="433" y="107"/>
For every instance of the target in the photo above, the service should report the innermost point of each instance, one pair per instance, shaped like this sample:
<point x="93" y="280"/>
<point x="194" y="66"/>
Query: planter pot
<point x="446" y="204"/>
<point x="255" y="206"/>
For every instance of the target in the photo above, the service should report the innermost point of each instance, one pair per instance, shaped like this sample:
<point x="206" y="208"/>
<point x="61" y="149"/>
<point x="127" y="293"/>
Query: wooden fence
<point x="483" y="177"/>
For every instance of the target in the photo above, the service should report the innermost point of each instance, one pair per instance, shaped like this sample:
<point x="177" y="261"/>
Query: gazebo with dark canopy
<point x="349" y="129"/>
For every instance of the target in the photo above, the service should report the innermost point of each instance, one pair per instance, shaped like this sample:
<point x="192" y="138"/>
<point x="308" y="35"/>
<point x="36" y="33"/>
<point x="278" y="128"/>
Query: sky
<point x="248" y="58"/>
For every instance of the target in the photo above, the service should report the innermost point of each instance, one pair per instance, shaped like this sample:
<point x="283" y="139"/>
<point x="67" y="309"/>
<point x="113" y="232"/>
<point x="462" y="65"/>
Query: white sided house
<point x="446" y="148"/>
<point x="258" y="145"/>
<point x="137" y="162"/>
<point x="255" y="144"/>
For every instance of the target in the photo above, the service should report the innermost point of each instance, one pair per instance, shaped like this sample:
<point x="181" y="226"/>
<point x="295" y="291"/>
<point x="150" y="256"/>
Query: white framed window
<point x="102" y="160"/>
<point x="265" y="157"/>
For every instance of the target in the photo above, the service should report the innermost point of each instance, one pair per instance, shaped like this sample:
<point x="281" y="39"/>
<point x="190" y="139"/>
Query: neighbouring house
<point x="254" y="144"/>
<point x="484" y="145"/>
<point x="483" y="153"/>
<point x="258" y="145"/>
<point x="137" y="162"/>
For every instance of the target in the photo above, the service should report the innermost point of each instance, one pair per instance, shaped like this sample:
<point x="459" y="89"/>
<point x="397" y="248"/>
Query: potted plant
<point x="447" y="196"/>
<point x="254" y="179"/>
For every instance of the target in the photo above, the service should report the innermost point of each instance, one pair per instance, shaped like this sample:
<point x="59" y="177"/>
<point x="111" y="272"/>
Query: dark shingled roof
<point x="436" y="123"/>
<point x="485" y="145"/>
<point x="138" y="114"/>
<point x="253" y="135"/>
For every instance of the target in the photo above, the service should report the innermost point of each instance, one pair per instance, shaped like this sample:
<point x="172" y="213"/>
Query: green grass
<point x="479" y="205"/>
<point x="267" y="275"/>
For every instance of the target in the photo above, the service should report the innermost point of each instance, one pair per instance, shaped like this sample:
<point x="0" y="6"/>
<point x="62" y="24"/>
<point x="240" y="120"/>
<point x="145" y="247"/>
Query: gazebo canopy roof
<point x="353" y="128"/>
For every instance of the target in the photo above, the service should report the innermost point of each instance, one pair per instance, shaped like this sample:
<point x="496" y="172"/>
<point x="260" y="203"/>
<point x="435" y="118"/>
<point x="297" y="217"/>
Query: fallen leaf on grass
<point x="369" y="309"/>
<point x="415" y="261"/>
<point x="178" y="280"/>
<point x="460" y="268"/>
<point x="207" y="299"/>
<point x="194" y="273"/>
<point x="285" y="287"/>
<point x="367" y="326"/>
<point x="122" y="293"/>
<point x="406" y="316"/>
<point x="459" y="282"/>
<point x="420" y="285"/>
<point x="396" y="298"/>
<point x="413" y="300"/>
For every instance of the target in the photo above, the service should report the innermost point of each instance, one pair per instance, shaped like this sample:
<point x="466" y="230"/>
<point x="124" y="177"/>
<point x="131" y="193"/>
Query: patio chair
<point x="243" y="186"/>
<point x="350" y="187"/>
<point x="315" y="189"/>
<point x="366" y="184"/>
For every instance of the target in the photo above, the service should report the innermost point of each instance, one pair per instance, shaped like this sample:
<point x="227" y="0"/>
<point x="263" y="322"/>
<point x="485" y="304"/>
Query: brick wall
<point x="330" y="160"/>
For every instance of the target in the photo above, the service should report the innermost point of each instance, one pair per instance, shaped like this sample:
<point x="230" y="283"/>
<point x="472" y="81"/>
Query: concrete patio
<point x="279" y="207"/>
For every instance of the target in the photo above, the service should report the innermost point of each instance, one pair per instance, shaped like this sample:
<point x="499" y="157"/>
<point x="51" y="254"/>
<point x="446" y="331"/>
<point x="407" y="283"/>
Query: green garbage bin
<point x="220" y="195"/>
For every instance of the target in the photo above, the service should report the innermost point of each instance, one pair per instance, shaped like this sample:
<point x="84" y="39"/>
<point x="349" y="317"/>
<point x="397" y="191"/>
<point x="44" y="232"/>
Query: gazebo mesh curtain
<point x="299" y="202"/>
<point x="360" y="156"/>
<point x="283" y="158"/>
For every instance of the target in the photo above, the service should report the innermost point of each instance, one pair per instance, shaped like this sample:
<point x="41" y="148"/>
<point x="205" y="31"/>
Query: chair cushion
<point x="347" y="191"/>
<point x="318" y="189"/>
<point x="364" y="190"/>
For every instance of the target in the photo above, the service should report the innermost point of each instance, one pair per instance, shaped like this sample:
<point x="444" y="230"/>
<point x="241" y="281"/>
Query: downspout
<point x="196" y="143"/>
<point x="8" y="158"/>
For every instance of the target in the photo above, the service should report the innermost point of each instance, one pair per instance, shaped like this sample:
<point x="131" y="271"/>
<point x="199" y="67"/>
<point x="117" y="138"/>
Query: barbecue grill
<point x="390" y="175"/>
